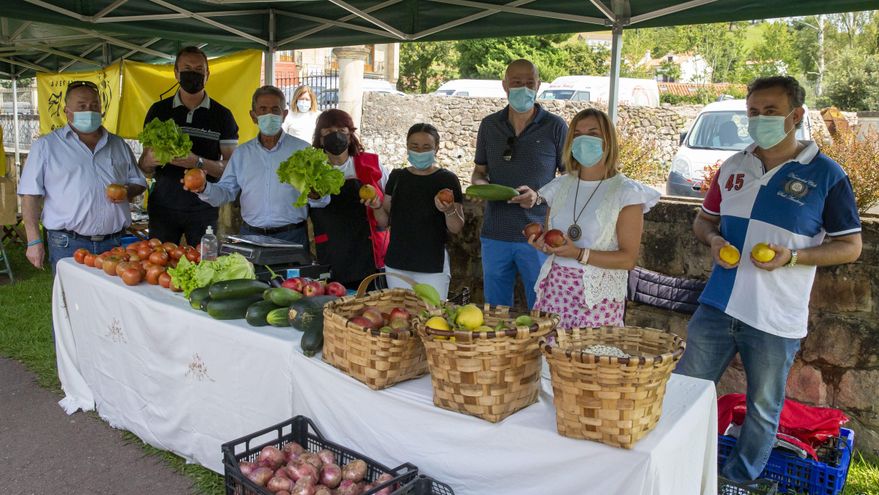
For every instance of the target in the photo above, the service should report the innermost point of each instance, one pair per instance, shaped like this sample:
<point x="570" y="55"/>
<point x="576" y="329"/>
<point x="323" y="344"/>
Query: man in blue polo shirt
<point x="521" y="147"/>
<point x="786" y="194"/>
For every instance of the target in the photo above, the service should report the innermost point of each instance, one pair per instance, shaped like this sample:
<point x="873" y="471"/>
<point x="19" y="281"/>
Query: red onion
<point x="384" y="478"/>
<point x="322" y="490"/>
<point x="331" y="475"/>
<point x="292" y="451"/>
<point x="246" y="467"/>
<point x="300" y="470"/>
<point x="284" y="492"/>
<point x="312" y="459"/>
<point x="327" y="456"/>
<point x="281" y="472"/>
<point x="271" y="457"/>
<point x="348" y="487"/>
<point x="354" y="470"/>
<point x="260" y="476"/>
<point x="277" y="484"/>
<point x="305" y="486"/>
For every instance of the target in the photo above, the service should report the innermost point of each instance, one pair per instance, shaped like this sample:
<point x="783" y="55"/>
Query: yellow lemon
<point x="437" y="323"/>
<point x="470" y="317"/>
<point x="762" y="252"/>
<point x="730" y="254"/>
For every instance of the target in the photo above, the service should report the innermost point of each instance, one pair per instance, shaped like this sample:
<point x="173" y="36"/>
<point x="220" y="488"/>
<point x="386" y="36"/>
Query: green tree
<point x="426" y="65"/>
<point x="773" y="53"/>
<point x="851" y="81"/>
<point x="487" y="58"/>
<point x="585" y="59"/>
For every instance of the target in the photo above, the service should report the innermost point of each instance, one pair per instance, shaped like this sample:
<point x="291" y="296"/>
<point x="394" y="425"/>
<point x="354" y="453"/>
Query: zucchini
<point x="235" y="289"/>
<point x="281" y="296"/>
<point x="491" y="192"/>
<point x="278" y="317"/>
<point x="230" y="309"/>
<point x="197" y="296"/>
<point x="312" y="341"/>
<point x="308" y="315"/>
<point x="204" y="303"/>
<point x="256" y="313"/>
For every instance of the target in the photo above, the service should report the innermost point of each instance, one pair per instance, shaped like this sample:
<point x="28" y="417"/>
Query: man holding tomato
<point x="266" y="203"/>
<point x="84" y="176"/>
<point x="214" y="134"/>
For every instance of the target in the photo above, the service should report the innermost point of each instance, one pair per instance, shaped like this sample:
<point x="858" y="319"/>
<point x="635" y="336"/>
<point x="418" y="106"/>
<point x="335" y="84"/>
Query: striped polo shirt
<point x="536" y="156"/>
<point x="795" y="205"/>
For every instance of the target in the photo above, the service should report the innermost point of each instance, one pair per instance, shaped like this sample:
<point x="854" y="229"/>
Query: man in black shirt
<point x="211" y="127"/>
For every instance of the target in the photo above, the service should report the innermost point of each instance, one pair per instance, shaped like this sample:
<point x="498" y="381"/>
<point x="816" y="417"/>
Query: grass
<point x="26" y="336"/>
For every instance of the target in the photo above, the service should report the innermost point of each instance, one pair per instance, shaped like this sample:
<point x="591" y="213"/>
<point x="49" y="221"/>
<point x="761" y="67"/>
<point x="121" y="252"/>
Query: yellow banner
<point x="232" y="81"/>
<point x="51" y="89"/>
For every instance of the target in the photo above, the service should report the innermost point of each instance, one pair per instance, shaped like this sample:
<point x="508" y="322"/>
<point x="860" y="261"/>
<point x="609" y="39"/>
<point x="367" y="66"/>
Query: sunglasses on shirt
<point x="508" y="153"/>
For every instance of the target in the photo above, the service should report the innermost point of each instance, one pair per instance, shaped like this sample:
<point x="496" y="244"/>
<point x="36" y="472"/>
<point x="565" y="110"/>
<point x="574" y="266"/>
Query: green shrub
<point x="859" y="156"/>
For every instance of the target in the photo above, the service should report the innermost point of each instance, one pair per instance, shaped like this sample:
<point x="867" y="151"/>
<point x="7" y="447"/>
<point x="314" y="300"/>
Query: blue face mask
<point x="587" y="150"/>
<point x="303" y="105"/>
<point x="522" y="99"/>
<point x="269" y="124"/>
<point x="767" y="130"/>
<point x="86" y="121"/>
<point x="422" y="161"/>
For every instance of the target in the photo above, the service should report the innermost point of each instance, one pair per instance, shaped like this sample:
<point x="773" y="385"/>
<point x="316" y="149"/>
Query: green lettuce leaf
<point x="309" y="170"/>
<point x="189" y="276"/>
<point x="165" y="139"/>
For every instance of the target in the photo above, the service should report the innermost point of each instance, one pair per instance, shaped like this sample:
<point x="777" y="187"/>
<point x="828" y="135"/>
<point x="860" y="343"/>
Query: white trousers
<point x="439" y="281"/>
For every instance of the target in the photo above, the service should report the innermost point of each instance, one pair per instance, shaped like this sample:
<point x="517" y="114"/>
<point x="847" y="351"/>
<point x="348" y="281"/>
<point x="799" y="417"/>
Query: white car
<point x="719" y="131"/>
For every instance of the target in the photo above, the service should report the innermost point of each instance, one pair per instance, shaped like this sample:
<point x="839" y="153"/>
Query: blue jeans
<point x="299" y="236"/>
<point x="713" y="339"/>
<point x="501" y="260"/>
<point x="62" y="245"/>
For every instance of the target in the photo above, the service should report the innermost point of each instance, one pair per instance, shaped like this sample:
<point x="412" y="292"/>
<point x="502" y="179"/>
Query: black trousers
<point x="169" y="225"/>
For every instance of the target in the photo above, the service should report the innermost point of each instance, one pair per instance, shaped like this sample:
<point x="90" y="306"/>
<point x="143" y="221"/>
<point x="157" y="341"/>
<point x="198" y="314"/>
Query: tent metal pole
<point x="15" y="125"/>
<point x="616" y="47"/>
<point x="269" y="69"/>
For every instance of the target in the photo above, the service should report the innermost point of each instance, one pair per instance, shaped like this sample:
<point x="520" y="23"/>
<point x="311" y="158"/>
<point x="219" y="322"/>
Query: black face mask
<point x="336" y="143"/>
<point x="191" y="81"/>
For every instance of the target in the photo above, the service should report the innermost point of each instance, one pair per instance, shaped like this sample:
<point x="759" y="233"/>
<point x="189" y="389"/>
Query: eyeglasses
<point x="78" y="84"/>
<point x="508" y="153"/>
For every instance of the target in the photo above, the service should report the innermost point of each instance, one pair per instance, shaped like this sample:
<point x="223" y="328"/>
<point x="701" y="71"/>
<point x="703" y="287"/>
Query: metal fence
<point x="28" y="130"/>
<point x="325" y="87"/>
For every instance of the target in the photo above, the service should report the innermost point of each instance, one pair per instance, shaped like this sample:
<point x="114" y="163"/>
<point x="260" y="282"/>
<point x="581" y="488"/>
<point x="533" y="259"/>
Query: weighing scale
<point x="285" y="258"/>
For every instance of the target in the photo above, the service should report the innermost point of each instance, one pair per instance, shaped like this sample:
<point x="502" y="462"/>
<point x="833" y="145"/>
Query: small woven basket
<point x="612" y="400"/>
<point x="377" y="359"/>
<point x="489" y="375"/>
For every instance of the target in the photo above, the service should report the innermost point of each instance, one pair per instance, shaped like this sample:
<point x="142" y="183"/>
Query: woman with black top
<point x="346" y="234"/>
<point x="422" y="204"/>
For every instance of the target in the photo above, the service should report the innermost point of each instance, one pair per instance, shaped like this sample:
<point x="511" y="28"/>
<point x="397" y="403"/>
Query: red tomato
<point x="120" y="267"/>
<point x="169" y="246"/>
<point x="131" y="276"/>
<point x="79" y="255"/>
<point x="155" y="242"/>
<point x="194" y="179"/>
<point x="165" y="279"/>
<point x="89" y="259"/>
<point x="116" y="192"/>
<point x="109" y="265"/>
<point x="177" y="253"/>
<point x="153" y="273"/>
<point x="99" y="261"/>
<point x="159" y="258"/>
<point x="192" y="255"/>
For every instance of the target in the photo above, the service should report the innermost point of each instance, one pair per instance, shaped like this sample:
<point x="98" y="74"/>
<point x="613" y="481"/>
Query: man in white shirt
<point x="266" y="203"/>
<point x="84" y="176"/>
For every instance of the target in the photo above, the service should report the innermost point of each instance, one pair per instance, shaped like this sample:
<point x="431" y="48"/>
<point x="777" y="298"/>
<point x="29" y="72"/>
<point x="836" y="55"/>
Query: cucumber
<point x="234" y="289"/>
<point x="230" y="309"/>
<point x="491" y="192"/>
<point x="278" y="317"/>
<point x="197" y="296"/>
<point x="256" y="313"/>
<point x="281" y="296"/>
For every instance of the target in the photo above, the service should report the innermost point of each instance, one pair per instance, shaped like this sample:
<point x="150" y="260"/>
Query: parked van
<point x="719" y="131"/>
<point x="635" y="92"/>
<point x="486" y="88"/>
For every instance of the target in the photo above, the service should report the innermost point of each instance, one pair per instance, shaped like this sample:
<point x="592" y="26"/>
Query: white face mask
<point x="303" y="105"/>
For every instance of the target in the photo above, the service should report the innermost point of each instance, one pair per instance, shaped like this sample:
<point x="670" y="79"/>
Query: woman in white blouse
<point x="600" y="212"/>
<point x="302" y="115"/>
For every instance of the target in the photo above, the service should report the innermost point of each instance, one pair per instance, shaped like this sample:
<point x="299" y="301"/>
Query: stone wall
<point x="386" y="118"/>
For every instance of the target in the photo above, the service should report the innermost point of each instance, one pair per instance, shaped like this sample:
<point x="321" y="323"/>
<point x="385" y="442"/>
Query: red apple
<point x="363" y="322"/>
<point x="399" y="314"/>
<point x="374" y="315"/>
<point x="294" y="283"/>
<point x="532" y="229"/>
<point x="312" y="289"/>
<point x="336" y="289"/>
<point x="555" y="238"/>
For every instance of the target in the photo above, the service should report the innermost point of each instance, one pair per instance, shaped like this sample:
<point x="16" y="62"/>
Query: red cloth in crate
<point x="805" y="426"/>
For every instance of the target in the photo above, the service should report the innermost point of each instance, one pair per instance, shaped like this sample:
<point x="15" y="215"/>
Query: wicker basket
<point x="489" y="375"/>
<point x="377" y="359"/>
<point x="612" y="400"/>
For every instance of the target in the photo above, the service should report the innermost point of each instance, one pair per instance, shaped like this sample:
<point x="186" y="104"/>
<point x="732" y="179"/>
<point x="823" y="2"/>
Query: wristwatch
<point x="793" y="258"/>
<point x="538" y="201"/>
<point x="199" y="163"/>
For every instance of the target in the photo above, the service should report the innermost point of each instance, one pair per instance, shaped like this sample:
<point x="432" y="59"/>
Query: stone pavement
<point x="44" y="451"/>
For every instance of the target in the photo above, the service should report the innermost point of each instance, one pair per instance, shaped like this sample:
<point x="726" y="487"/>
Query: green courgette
<point x="230" y="309"/>
<point x="257" y="312"/>
<point x="235" y="289"/>
<point x="281" y="296"/>
<point x="204" y="303"/>
<point x="278" y="317"/>
<point x="491" y="192"/>
<point x="308" y="315"/>
<point x="312" y="341"/>
<point x="197" y="296"/>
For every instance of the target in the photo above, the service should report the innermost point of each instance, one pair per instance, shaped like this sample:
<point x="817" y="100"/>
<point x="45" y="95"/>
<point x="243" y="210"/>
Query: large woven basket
<point x="612" y="400"/>
<point x="489" y="375"/>
<point x="377" y="359"/>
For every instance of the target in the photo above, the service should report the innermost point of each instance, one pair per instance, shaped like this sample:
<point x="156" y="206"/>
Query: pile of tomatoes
<point x="139" y="261"/>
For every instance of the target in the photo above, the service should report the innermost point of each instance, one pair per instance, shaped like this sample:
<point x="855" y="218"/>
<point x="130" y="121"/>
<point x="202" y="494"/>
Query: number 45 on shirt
<point x="735" y="181"/>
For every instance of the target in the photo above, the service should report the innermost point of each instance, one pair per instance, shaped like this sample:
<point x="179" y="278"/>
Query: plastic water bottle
<point x="209" y="245"/>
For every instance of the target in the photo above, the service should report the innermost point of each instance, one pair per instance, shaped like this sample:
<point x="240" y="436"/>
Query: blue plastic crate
<point x="802" y="475"/>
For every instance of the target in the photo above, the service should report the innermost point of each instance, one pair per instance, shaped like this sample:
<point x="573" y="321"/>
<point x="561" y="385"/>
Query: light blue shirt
<point x="266" y="202"/>
<point x="73" y="180"/>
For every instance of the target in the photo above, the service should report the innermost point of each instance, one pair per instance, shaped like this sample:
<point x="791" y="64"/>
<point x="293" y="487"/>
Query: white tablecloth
<point x="186" y="383"/>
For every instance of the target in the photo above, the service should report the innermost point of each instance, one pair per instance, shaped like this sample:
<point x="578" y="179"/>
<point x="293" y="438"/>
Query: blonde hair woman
<point x="600" y="212"/>
<point x="302" y="115"/>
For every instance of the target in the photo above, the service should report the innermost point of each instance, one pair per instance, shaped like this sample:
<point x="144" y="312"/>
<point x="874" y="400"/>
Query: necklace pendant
<point x="574" y="232"/>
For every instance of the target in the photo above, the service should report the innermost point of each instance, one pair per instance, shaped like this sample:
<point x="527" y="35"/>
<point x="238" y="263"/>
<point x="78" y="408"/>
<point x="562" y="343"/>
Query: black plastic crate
<point x="304" y="432"/>
<point x="424" y="485"/>
<point x="756" y="487"/>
